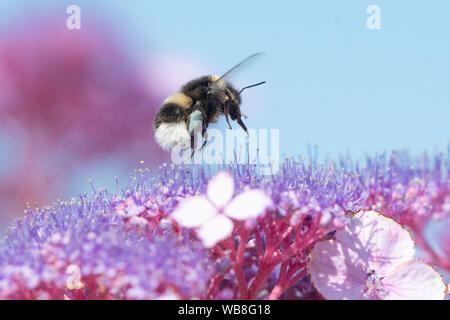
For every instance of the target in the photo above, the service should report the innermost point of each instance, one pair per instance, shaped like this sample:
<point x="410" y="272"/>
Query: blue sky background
<point x="331" y="81"/>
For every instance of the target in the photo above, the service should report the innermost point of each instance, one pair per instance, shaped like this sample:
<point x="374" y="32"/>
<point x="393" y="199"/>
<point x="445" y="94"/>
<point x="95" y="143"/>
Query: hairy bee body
<point x="197" y="100"/>
<point x="200" y="101"/>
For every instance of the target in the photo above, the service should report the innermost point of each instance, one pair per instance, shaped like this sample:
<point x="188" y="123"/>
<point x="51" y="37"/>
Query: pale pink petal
<point x="379" y="241"/>
<point x="193" y="212"/>
<point x="221" y="188"/>
<point x="247" y="205"/>
<point x="336" y="272"/>
<point x="414" y="280"/>
<point x="215" y="230"/>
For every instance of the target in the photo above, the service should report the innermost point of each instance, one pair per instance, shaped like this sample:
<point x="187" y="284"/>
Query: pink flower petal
<point x="380" y="242"/>
<point x="337" y="273"/>
<point x="221" y="188"/>
<point x="248" y="204"/>
<point x="193" y="212"/>
<point x="215" y="230"/>
<point x="414" y="280"/>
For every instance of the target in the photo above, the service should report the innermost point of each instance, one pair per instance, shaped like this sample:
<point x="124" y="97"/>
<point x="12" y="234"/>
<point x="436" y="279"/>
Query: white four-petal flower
<point x="211" y="215"/>
<point x="372" y="258"/>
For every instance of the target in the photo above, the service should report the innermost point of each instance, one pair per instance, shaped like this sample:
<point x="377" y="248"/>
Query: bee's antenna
<point x="253" y="85"/>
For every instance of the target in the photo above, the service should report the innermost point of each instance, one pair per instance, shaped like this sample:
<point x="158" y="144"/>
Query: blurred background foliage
<point x="71" y="102"/>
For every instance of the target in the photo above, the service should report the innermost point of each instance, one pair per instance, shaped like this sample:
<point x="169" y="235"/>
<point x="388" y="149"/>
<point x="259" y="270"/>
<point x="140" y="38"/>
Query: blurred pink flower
<point x="69" y="98"/>
<point x="74" y="88"/>
<point x="372" y="258"/>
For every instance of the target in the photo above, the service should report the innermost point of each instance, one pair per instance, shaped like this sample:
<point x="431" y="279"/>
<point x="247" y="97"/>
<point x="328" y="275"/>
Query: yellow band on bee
<point x="221" y="84"/>
<point x="214" y="78"/>
<point x="180" y="99"/>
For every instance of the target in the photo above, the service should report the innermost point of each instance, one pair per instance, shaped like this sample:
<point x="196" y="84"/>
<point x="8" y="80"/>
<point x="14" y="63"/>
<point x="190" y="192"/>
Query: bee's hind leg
<point x="195" y="119"/>
<point x="192" y="145"/>
<point x="205" y="137"/>
<point x="239" y="120"/>
<point x="226" y="112"/>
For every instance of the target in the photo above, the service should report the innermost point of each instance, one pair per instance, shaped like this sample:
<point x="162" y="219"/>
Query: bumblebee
<point x="200" y="102"/>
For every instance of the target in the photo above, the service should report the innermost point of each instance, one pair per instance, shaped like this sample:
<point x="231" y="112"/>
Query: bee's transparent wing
<point x="244" y="63"/>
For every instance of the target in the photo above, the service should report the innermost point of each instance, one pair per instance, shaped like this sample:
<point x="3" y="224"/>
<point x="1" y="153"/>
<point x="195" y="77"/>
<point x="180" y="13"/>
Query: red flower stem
<point x="268" y="237"/>
<point x="265" y="269"/>
<point x="297" y="277"/>
<point x="261" y="277"/>
<point x="238" y="270"/>
<point x="285" y="234"/>
<point x="293" y="249"/>
<point x="288" y="279"/>
<point x="242" y="284"/>
<point x="215" y="281"/>
<point x="258" y="244"/>
<point x="278" y="289"/>
<point x="217" y="251"/>
<point x="283" y="270"/>
<point x="271" y="260"/>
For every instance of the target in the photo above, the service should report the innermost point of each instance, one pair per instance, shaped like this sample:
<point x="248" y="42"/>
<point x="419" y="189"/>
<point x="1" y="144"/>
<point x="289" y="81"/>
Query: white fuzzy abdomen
<point x="168" y="135"/>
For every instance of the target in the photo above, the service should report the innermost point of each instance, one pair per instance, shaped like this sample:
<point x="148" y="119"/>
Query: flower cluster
<point x="188" y="232"/>
<point x="84" y="250"/>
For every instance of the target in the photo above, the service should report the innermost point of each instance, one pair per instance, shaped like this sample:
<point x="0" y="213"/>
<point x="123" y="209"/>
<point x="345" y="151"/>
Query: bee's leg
<point x="243" y="114"/>
<point x="204" y="143"/>
<point x="205" y="137"/>
<point x="195" y="120"/>
<point x="239" y="120"/>
<point x="229" y="94"/>
<point x="226" y="111"/>
<point x="192" y="145"/>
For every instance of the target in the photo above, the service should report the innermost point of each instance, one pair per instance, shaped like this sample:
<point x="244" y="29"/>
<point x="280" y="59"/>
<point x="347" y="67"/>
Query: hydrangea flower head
<point x="133" y="244"/>
<point x="372" y="258"/>
<point x="211" y="214"/>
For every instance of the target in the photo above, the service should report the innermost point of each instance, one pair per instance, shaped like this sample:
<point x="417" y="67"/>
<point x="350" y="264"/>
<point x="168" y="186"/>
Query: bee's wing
<point x="247" y="61"/>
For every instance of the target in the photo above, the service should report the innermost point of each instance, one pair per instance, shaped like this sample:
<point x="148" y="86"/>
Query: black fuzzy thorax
<point x="212" y="105"/>
<point x="205" y="98"/>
